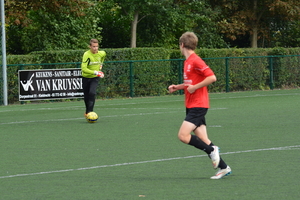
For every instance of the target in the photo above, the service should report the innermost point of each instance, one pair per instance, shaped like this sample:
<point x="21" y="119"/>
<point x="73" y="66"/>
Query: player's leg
<point x="92" y="94"/>
<point x="222" y="164"/>
<point x="85" y="87"/>
<point x="185" y="136"/>
<point x="224" y="170"/>
<point x="195" y="117"/>
<point x="221" y="173"/>
<point x="201" y="133"/>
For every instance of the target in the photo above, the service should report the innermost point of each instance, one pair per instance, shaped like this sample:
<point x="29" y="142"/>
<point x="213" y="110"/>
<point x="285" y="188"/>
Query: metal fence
<point x="151" y="77"/>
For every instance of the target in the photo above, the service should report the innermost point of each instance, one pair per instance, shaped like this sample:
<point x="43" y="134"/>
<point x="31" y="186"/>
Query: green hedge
<point x="247" y="71"/>
<point x="250" y="70"/>
<point x="126" y="54"/>
<point x="137" y="78"/>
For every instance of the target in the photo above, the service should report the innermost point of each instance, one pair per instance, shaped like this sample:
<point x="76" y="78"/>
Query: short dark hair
<point x="189" y="40"/>
<point x="93" y="41"/>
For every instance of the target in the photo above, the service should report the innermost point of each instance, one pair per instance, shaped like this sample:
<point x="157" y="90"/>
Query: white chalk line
<point x="256" y="95"/>
<point x="70" y="119"/>
<point x="147" y="102"/>
<point x="148" y="161"/>
<point x="104" y="116"/>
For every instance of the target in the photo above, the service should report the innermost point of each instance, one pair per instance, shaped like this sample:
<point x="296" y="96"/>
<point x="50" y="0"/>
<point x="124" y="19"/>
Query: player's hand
<point x="190" y="88"/>
<point x="99" y="74"/>
<point x="172" y="88"/>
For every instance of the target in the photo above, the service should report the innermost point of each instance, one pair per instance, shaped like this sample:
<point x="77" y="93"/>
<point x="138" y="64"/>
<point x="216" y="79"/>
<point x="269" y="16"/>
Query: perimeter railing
<point x="138" y="78"/>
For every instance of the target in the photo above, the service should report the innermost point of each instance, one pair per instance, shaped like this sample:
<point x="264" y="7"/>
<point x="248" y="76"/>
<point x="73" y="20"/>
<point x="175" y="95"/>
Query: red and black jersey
<point x="195" y="71"/>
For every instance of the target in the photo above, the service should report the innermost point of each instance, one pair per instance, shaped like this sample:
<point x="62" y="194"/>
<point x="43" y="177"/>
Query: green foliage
<point x="147" y="77"/>
<point x="123" y="54"/>
<point x="249" y="72"/>
<point x="287" y="35"/>
<point x="35" y="25"/>
<point x="160" y="23"/>
<point x="67" y="32"/>
<point x="116" y="25"/>
<point x="12" y="73"/>
<point x="54" y="30"/>
<point x="148" y="71"/>
<point x="260" y="21"/>
<point x="285" y="69"/>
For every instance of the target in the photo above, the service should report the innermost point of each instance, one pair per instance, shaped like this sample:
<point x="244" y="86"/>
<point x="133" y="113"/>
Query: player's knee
<point x="184" y="138"/>
<point x="92" y="94"/>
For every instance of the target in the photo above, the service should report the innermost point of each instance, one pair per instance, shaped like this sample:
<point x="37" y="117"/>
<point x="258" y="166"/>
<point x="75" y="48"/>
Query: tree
<point x="17" y="9"/>
<point x="35" y="25"/>
<point x="285" y="34"/>
<point x="253" y="17"/>
<point x="153" y="23"/>
<point x="116" y="25"/>
<point x="137" y="10"/>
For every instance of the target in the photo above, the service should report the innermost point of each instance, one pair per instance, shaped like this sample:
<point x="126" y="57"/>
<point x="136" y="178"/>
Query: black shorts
<point x="196" y="116"/>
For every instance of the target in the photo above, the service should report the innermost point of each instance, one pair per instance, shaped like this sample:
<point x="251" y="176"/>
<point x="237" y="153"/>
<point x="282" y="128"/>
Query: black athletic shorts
<point x="196" y="116"/>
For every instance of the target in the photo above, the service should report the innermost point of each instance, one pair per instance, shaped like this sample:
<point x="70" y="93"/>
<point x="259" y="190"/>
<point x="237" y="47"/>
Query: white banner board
<point x="50" y="84"/>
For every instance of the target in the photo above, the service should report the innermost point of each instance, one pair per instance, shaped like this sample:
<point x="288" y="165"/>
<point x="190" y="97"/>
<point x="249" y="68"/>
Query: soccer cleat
<point x="221" y="173"/>
<point x="215" y="157"/>
<point x="85" y="115"/>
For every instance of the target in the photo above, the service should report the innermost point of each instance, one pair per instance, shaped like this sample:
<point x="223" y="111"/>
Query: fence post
<point x="180" y="74"/>
<point x="271" y="73"/>
<point x="227" y="74"/>
<point x="21" y="67"/>
<point x="131" y="78"/>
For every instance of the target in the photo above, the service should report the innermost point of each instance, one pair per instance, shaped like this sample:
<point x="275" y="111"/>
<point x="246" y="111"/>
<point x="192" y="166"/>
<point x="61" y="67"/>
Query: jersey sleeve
<point x="202" y="68"/>
<point x="102" y="55"/>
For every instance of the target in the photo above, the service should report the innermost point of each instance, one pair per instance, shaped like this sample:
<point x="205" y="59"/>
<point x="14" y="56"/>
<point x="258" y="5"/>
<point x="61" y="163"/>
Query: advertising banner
<point x="50" y="84"/>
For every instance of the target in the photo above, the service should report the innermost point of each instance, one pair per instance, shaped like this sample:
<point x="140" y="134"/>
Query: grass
<point x="49" y="151"/>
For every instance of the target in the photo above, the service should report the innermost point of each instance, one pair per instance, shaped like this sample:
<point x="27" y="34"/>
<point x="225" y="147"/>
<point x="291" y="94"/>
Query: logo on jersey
<point x="188" y="68"/>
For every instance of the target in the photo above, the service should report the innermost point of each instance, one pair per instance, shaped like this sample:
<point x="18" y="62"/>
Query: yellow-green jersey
<point x="91" y="63"/>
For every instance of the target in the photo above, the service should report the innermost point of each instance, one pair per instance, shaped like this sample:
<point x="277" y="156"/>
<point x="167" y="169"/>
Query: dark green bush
<point x="148" y="71"/>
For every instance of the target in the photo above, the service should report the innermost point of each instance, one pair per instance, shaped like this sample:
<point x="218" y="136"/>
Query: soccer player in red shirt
<point x="197" y="76"/>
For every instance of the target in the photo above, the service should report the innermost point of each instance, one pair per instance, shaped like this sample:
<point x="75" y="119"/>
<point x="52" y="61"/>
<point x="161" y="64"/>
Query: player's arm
<point x="207" y="81"/>
<point x="85" y="63"/>
<point x="174" y="88"/>
<point x="102" y="55"/>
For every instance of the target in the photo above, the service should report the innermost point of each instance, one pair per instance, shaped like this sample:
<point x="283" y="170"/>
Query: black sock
<point x="222" y="164"/>
<point x="199" y="144"/>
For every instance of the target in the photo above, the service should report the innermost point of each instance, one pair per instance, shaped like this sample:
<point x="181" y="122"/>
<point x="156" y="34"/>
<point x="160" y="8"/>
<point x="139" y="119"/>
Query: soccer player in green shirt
<point x="91" y="66"/>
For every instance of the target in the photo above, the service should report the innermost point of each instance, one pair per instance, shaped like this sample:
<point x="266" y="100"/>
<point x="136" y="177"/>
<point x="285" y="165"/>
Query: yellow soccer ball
<point x="92" y="117"/>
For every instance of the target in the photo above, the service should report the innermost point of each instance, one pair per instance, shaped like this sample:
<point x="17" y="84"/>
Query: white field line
<point x="107" y="116"/>
<point x="255" y="96"/>
<point x="147" y="161"/>
<point x="146" y="102"/>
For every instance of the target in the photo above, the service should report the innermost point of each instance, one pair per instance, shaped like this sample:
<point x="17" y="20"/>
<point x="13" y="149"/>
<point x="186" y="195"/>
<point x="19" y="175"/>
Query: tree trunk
<point x="133" y="29"/>
<point x="254" y="37"/>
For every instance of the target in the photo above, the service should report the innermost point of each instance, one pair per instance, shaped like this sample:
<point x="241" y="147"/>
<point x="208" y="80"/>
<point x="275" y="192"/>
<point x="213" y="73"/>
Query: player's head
<point x="94" y="45"/>
<point x="189" y="40"/>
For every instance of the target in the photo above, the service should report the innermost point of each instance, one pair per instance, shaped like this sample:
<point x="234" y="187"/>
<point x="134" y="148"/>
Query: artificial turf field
<point x="49" y="151"/>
